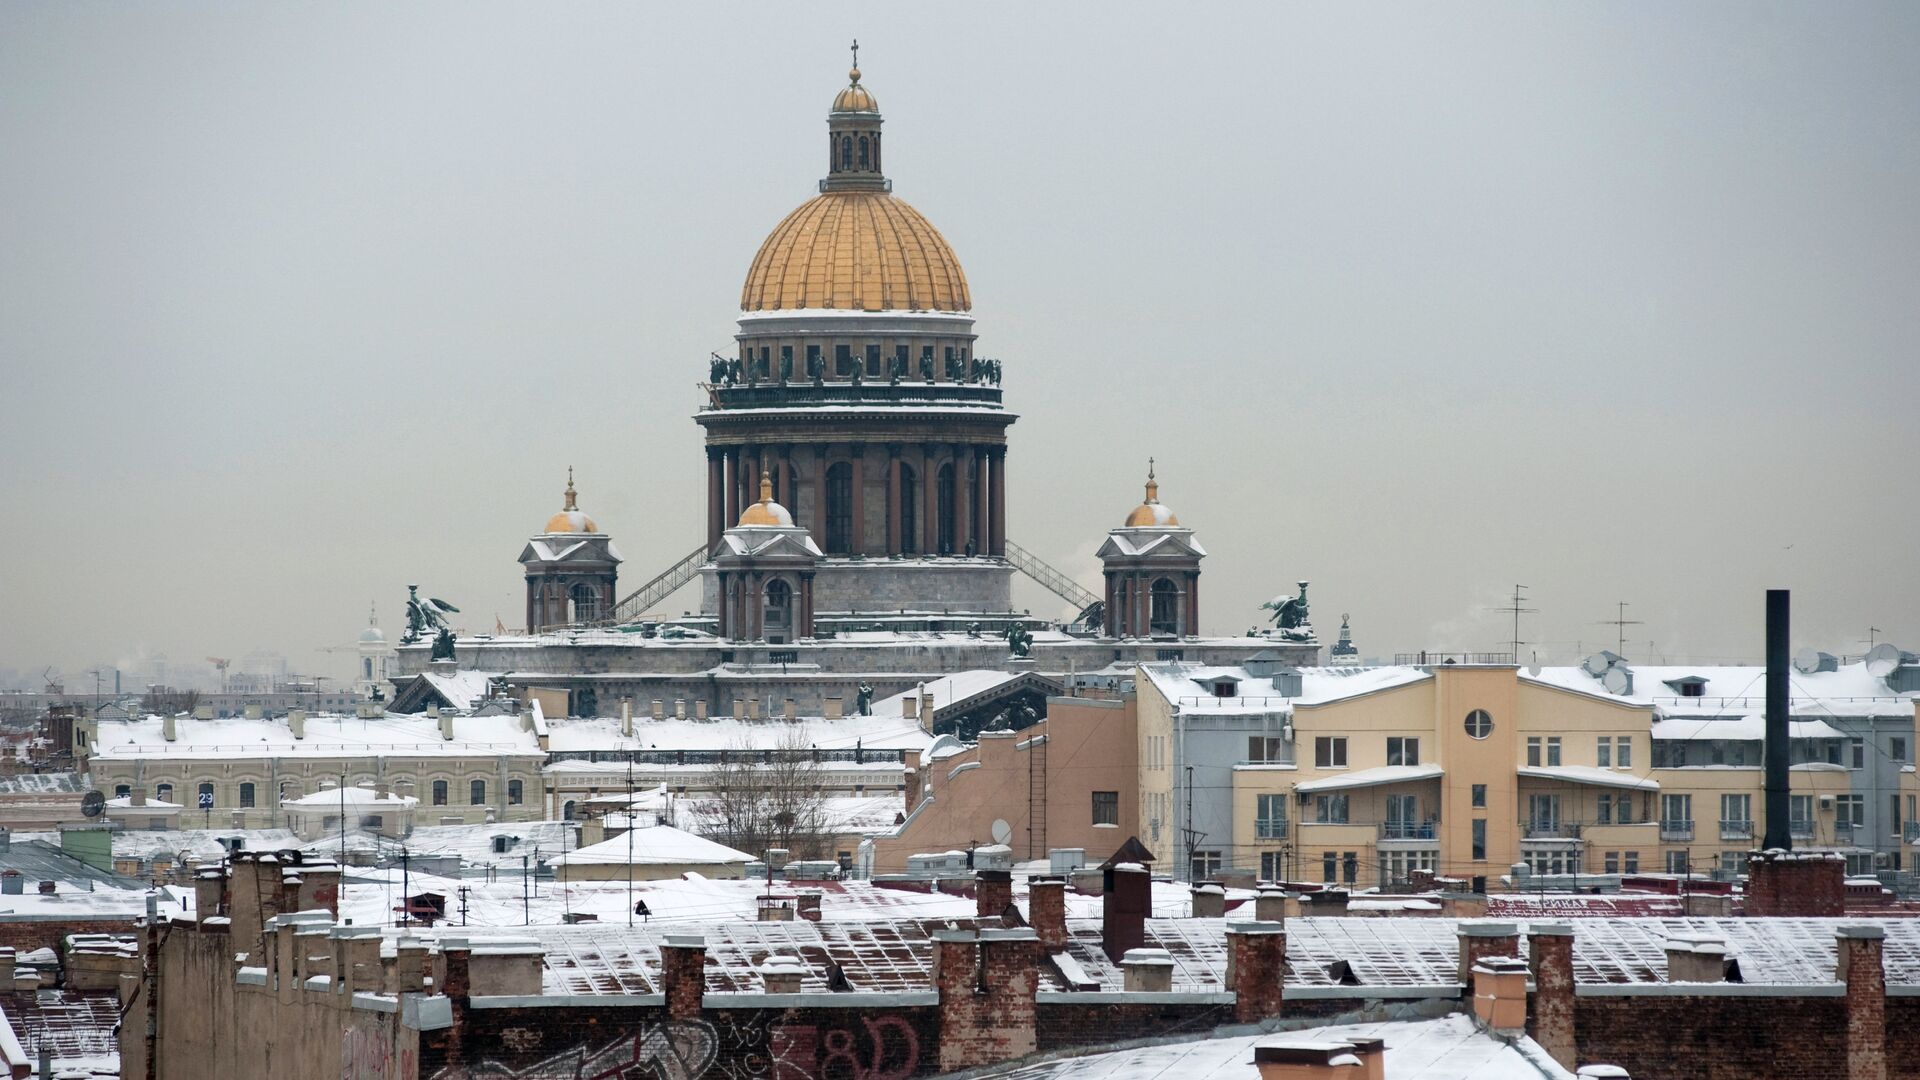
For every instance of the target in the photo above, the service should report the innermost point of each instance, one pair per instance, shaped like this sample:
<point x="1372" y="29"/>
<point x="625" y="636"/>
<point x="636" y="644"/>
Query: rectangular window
<point x="1533" y="751"/>
<point x="1677" y="862"/>
<point x="1350" y="868"/>
<point x="1736" y="817"/>
<point x="1623" y="752"/>
<point x="1857" y="753"/>
<point x="515" y="792"/>
<point x="1330" y="752"/>
<point x="1330" y="809"/>
<point x="1603" y="752"/>
<point x="1270" y="817"/>
<point x="1631" y="863"/>
<point x="439" y="793"/>
<point x="1205" y="865"/>
<point x="1669" y="754"/>
<point x="1676" y="817"/>
<point x="843" y="361"/>
<point x="1894" y="815"/>
<point x="1603" y="815"/>
<point x="1800" y="815"/>
<point x="1543" y="815"/>
<point x="1479" y="796"/>
<point x="1329" y="866"/>
<point x="477" y="793"/>
<point x="1897" y="749"/>
<point x="1266" y="749"/>
<point x="1273" y="865"/>
<point x="1106" y="808"/>
<point x="1479" y="839"/>
<point x="1402" y="751"/>
<point x="1553" y="751"/>
<point x="1850" y="811"/>
<point x="246" y="794"/>
<point x="1610" y="862"/>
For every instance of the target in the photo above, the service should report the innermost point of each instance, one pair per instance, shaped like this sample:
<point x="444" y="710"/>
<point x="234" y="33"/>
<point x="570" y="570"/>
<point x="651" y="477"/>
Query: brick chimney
<point x="1500" y="994"/>
<point x="1124" y="906"/>
<point x="1209" y="900"/>
<point x="1696" y="958"/>
<point x="806" y="905"/>
<point x="1148" y="971"/>
<point x="992" y="892"/>
<point x="987" y="981"/>
<point x="782" y="974"/>
<point x="1804" y="884"/>
<point x="1256" y="969"/>
<point x="1047" y="911"/>
<point x="1303" y="1059"/>
<point x="1858" y="966"/>
<point x="1480" y="939"/>
<point x="209" y="893"/>
<point x="1550" y="955"/>
<point x="683" y="975"/>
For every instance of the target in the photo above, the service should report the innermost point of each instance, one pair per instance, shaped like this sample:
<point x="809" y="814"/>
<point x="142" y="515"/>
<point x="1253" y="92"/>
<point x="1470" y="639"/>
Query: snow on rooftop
<point x="658" y="845"/>
<point x="878" y="733"/>
<point x="1191" y="685"/>
<point x="359" y="796"/>
<point x="1849" y="690"/>
<point x="946" y="690"/>
<point x="392" y="734"/>
<point x="1359" y="778"/>
<point x="1449" y="1048"/>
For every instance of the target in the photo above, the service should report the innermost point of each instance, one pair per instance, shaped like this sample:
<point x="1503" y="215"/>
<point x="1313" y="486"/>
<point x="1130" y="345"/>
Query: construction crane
<point x="220" y="665"/>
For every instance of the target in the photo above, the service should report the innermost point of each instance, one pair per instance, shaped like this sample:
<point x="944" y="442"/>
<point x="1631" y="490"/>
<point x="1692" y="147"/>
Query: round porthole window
<point x="1479" y="724"/>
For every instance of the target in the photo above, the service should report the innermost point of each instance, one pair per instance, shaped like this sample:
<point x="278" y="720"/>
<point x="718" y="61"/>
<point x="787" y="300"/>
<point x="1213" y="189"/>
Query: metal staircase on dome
<point x="1050" y="579"/>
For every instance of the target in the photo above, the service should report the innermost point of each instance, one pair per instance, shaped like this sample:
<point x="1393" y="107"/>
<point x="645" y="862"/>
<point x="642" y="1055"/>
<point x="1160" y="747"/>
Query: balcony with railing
<point x="795" y="394"/>
<point x="1800" y="828"/>
<point x="1408" y="830"/>
<point x="1549" y="829"/>
<point x="1676" y="830"/>
<point x="1735" y="830"/>
<point x="1267" y="828"/>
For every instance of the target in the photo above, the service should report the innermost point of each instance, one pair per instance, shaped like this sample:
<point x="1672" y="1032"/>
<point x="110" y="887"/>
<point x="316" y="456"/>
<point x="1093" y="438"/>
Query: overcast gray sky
<point x="300" y="303"/>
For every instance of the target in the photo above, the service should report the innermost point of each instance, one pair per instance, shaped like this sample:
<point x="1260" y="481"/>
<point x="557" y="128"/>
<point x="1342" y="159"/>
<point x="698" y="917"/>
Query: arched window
<point x="566" y="810"/>
<point x="584" y="599"/>
<point x="909" y="512"/>
<point x="779" y="613"/>
<point x="246" y="794"/>
<point x="943" y="500"/>
<point x="863" y="151"/>
<point x="515" y="793"/>
<point x="839" y="509"/>
<point x="163" y="792"/>
<point x="876" y="151"/>
<point x="1164" y="614"/>
<point x="121" y="791"/>
<point x="477" y="793"/>
<point x="366" y="667"/>
<point x="439" y="793"/>
<point x="846" y="152"/>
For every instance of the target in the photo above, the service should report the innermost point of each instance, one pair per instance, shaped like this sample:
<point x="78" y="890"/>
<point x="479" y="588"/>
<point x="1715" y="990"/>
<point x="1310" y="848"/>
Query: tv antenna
<point x="1517" y="608"/>
<point x="1620" y="622"/>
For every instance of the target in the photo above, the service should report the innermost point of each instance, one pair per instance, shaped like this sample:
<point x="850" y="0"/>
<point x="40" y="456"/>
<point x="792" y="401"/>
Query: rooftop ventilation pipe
<point x="1778" y="836"/>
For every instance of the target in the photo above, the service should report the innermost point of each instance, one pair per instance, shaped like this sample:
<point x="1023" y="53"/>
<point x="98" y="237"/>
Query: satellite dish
<point x="1596" y="665"/>
<point x="1807" y="660"/>
<point x="93" y="804"/>
<point x="1002" y="832"/>
<point x="1882" y="659"/>
<point x="1618" y="680"/>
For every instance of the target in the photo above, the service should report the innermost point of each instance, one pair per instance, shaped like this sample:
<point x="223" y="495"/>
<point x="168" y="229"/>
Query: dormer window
<point x="1225" y="688"/>
<point x="1688" y="686"/>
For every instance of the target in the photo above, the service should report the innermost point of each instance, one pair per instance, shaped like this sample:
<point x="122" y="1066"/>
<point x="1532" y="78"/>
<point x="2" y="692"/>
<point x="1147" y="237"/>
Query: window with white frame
<point x="1603" y="752"/>
<point x="1402" y="750"/>
<point x="1270" y="817"/>
<point x="1330" y="809"/>
<point x="1330" y="752"/>
<point x="1623" y="752"/>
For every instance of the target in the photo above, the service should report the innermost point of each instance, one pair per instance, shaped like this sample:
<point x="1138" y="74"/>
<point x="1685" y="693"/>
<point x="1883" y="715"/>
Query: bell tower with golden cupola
<point x="853" y="138"/>
<point x="571" y="568"/>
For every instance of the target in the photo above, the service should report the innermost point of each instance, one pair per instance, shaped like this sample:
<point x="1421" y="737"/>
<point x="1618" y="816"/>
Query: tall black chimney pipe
<point x="1778" y="834"/>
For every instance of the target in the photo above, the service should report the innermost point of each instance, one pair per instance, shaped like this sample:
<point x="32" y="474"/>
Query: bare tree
<point x="165" y="700"/>
<point x="767" y="798"/>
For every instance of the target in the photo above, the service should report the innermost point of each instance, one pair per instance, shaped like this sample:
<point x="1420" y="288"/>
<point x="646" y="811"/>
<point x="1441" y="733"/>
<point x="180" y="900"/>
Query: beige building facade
<point x="1504" y="777"/>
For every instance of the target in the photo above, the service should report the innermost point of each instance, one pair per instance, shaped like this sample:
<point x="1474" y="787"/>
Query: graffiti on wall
<point x="369" y="1054"/>
<point x="739" y="1047"/>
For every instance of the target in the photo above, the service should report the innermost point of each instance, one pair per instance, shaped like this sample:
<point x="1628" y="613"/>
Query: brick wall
<point x="987" y="983"/>
<point x="1256" y="962"/>
<point x="24" y="936"/>
<point x="1065" y="1025"/>
<point x="1807" y="885"/>
<point x="1715" y="1038"/>
<point x="1903" y="1038"/>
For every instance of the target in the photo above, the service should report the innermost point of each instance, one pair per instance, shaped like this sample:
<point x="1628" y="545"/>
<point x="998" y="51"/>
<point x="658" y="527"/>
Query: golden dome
<point x="855" y="251"/>
<point x="766" y="511"/>
<point x="854" y="97"/>
<point x="570" y="519"/>
<point x="1152" y="512"/>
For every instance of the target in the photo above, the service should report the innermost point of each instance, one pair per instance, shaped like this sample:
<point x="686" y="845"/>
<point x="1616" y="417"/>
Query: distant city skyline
<point x="299" y="307"/>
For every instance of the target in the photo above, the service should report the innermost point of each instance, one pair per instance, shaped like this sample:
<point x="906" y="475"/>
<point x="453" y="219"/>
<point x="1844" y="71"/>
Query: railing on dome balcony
<point x="773" y="395"/>
<point x="1424" y="658"/>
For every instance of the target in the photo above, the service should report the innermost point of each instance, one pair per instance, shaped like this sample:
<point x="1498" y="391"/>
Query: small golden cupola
<point x="853" y="97"/>
<point x="1152" y="512"/>
<point x="766" y="512"/>
<point x="570" y="519"/>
